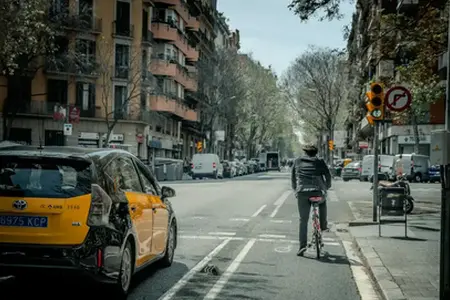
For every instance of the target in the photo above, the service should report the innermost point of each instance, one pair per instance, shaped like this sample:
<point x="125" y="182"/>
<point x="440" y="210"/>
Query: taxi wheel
<point x="167" y="260"/>
<point x="126" y="271"/>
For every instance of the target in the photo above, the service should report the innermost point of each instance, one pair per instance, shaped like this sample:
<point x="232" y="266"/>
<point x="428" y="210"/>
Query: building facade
<point x="145" y="71"/>
<point x="366" y="63"/>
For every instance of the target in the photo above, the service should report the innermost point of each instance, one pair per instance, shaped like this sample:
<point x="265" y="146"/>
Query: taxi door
<point x="160" y="215"/>
<point x="140" y="207"/>
<point x="160" y="225"/>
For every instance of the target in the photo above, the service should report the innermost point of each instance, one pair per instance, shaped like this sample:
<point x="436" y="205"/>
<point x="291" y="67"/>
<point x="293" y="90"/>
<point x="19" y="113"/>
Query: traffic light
<point x="331" y="145"/>
<point x="375" y="103"/>
<point x="199" y="146"/>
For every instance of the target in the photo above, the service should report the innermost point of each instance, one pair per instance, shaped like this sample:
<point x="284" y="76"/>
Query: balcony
<point x="42" y="108"/>
<point x="147" y="37"/>
<point x="163" y="67"/>
<point x="82" y="23"/>
<point x="182" y="76"/>
<point x="182" y="9"/>
<point x="168" y="32"/>
<point x="165" y="104"/>
<point x="81" y="66"/>
<point x="122" y="30"/>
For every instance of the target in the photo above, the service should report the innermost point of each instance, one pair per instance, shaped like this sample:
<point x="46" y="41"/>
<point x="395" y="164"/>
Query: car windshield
<point x="352" y="165"/>
<point x="43" y="178"/>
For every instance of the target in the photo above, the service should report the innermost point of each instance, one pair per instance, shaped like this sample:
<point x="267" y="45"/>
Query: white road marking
<point x="280" y="221"/>
<point x="363" y="282"/>
<point x="222" y="233"/>
<point x="259" y="211"/>
<point x="286" y="249"/>
<point x="276" y="236"/>
<point x="239" y="220"/>
<point x="328" y="242"/>
<point x="198" y="218"/>
<point x="220" y="284"/>
<point x="280" y="202"/>
<point x="197" y="268"/>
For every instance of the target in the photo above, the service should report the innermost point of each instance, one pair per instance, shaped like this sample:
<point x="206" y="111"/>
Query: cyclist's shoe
<point x="302" y="251"/>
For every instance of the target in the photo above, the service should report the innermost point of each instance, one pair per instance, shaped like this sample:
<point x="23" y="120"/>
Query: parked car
<point x="98" y="212"/>
<point x="229" y="170"/>
<point x="352" y="171"/>
<point x="434" y="173"/>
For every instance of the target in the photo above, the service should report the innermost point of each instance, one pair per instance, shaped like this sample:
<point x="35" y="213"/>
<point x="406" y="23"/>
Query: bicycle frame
<point x="316" y="240"/>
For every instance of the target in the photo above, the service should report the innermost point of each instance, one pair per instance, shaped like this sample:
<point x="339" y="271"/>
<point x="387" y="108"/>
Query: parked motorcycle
<point x="401" y="182"/>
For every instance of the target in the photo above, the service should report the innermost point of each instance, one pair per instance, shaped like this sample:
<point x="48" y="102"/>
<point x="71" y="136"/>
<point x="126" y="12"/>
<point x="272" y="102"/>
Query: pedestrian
<point x="309" y="173"/>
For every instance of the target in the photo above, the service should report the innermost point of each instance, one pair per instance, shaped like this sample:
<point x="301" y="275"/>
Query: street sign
<point x="398" y="98"/>
<point x="67" y="129"/>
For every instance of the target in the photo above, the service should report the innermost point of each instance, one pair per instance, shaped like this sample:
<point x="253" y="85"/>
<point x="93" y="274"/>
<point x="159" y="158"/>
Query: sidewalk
<point x="404" y="268"/>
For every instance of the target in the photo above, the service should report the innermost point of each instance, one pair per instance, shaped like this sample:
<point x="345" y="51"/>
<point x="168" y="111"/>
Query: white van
<point x="415" y="166"/>
<point x="385" y="163"/>
<point x="206" y="165"/>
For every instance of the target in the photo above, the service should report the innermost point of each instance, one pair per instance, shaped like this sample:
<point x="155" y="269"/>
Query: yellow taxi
<point x="97" y="212"/>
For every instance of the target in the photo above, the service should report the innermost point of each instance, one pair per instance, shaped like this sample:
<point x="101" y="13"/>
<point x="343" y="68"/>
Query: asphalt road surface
<point x="247" y="230"/>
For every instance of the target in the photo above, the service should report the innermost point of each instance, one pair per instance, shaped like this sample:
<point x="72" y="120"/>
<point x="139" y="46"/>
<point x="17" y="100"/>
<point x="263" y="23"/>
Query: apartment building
<point x="144" y="42"/>
<point x="372" y="64"/>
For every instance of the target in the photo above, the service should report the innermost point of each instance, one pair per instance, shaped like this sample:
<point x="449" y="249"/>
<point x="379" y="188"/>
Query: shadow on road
<point x="334" y="259"/>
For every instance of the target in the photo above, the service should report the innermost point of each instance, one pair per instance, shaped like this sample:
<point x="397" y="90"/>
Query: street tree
<point x="326" y="9"/>
<point x="29" y="31"/>
<point x="222" y="80"/>
<point x="25" y="35"/>
<point x="260" y="115"/>
<point x="314" y="86"/>
<point x="121" y="84"/>
<point x="421" y="39"/>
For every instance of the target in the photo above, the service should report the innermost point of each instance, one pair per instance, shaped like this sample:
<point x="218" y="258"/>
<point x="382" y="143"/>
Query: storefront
<point x="167" y="145"/>
<point x="89" y="139"/>
<point x="406" y="144"/>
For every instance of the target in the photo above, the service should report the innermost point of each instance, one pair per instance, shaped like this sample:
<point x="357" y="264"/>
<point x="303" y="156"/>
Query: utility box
<point x="440" y="148"/>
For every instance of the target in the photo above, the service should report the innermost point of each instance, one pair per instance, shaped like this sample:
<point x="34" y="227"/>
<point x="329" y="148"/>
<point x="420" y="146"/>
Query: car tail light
<point x="192" y="166"/>
<point x="359" y="170"/>
<point x="214" y="165"/>
<point x="100" y="207"/>
<point x="99" y="258"/>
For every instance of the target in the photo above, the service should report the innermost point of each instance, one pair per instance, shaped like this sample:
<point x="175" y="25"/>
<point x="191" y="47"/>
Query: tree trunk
<point x="415" y="128"/>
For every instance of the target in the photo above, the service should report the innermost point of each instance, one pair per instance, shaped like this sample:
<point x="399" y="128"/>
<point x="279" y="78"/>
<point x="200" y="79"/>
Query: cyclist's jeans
<point x="304" y="210"/>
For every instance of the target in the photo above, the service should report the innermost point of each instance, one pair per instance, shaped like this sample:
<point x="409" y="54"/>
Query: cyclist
<point x="309" y="173"/>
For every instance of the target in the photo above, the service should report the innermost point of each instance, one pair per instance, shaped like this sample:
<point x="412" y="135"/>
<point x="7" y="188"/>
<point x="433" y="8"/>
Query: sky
<point x="275" y="36"/>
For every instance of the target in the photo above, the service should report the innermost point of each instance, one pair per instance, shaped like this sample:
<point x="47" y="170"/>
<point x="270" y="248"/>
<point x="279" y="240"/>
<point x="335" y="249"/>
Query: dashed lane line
<point x="259" y="211"/>
<point x="170" y="294"/>
<point x="280" y="201"/>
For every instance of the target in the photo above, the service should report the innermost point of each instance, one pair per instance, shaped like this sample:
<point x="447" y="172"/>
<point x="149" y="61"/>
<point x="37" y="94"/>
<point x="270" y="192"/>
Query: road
<point x="247" y="229"/>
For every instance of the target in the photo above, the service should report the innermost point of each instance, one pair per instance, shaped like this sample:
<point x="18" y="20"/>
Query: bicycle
<point x="316" y="239"/>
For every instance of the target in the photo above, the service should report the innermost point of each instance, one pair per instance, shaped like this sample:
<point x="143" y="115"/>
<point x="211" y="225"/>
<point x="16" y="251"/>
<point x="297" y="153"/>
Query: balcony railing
<point x="79" y="66"/>
<point x="123" y="29"/>
<point x="165" y="31"/>
<point x="44" y="108"/>
<point x="165" y="103"/>
<point x="147" y="36"/>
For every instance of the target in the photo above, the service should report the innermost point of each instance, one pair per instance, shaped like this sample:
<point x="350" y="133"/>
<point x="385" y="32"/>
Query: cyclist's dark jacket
<point x="309" y="173"/>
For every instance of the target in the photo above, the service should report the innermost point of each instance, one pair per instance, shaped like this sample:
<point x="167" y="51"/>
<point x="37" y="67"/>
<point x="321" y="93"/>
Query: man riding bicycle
<point x="309" y="173"/>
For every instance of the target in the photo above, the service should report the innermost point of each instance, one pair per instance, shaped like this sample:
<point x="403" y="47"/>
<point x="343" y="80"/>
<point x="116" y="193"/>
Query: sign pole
<point x="444" y="280"/>
<point x="375" y="174"/>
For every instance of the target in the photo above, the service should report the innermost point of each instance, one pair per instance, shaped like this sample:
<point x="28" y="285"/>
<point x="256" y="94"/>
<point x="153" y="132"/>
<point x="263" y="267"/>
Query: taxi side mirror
<point x="167" y="192"/>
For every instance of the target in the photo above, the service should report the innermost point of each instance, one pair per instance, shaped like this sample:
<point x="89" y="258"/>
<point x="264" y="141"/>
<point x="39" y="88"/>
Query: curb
<point x="383" y="279"/>
<point x="361" y="223"/>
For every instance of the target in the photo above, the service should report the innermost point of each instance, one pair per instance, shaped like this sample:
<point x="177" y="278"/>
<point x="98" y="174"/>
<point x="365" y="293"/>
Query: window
<point x="146" y="183"/>
<point x="171" y="17"/>
<point x="49" y="178"/>
<point x="20" y="91"/>
<point x="57" y="91"/>
<point x="86" y="50"/>
<point x="123" y="17"/>
<point x="120" y="98"/>
<point x="85" y="99"/>
<point x="122" y="60"/>
<point x="124" y="175"/>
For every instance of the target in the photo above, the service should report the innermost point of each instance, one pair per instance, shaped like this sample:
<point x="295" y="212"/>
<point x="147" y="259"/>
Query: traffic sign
<point x="398" y="98"/>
